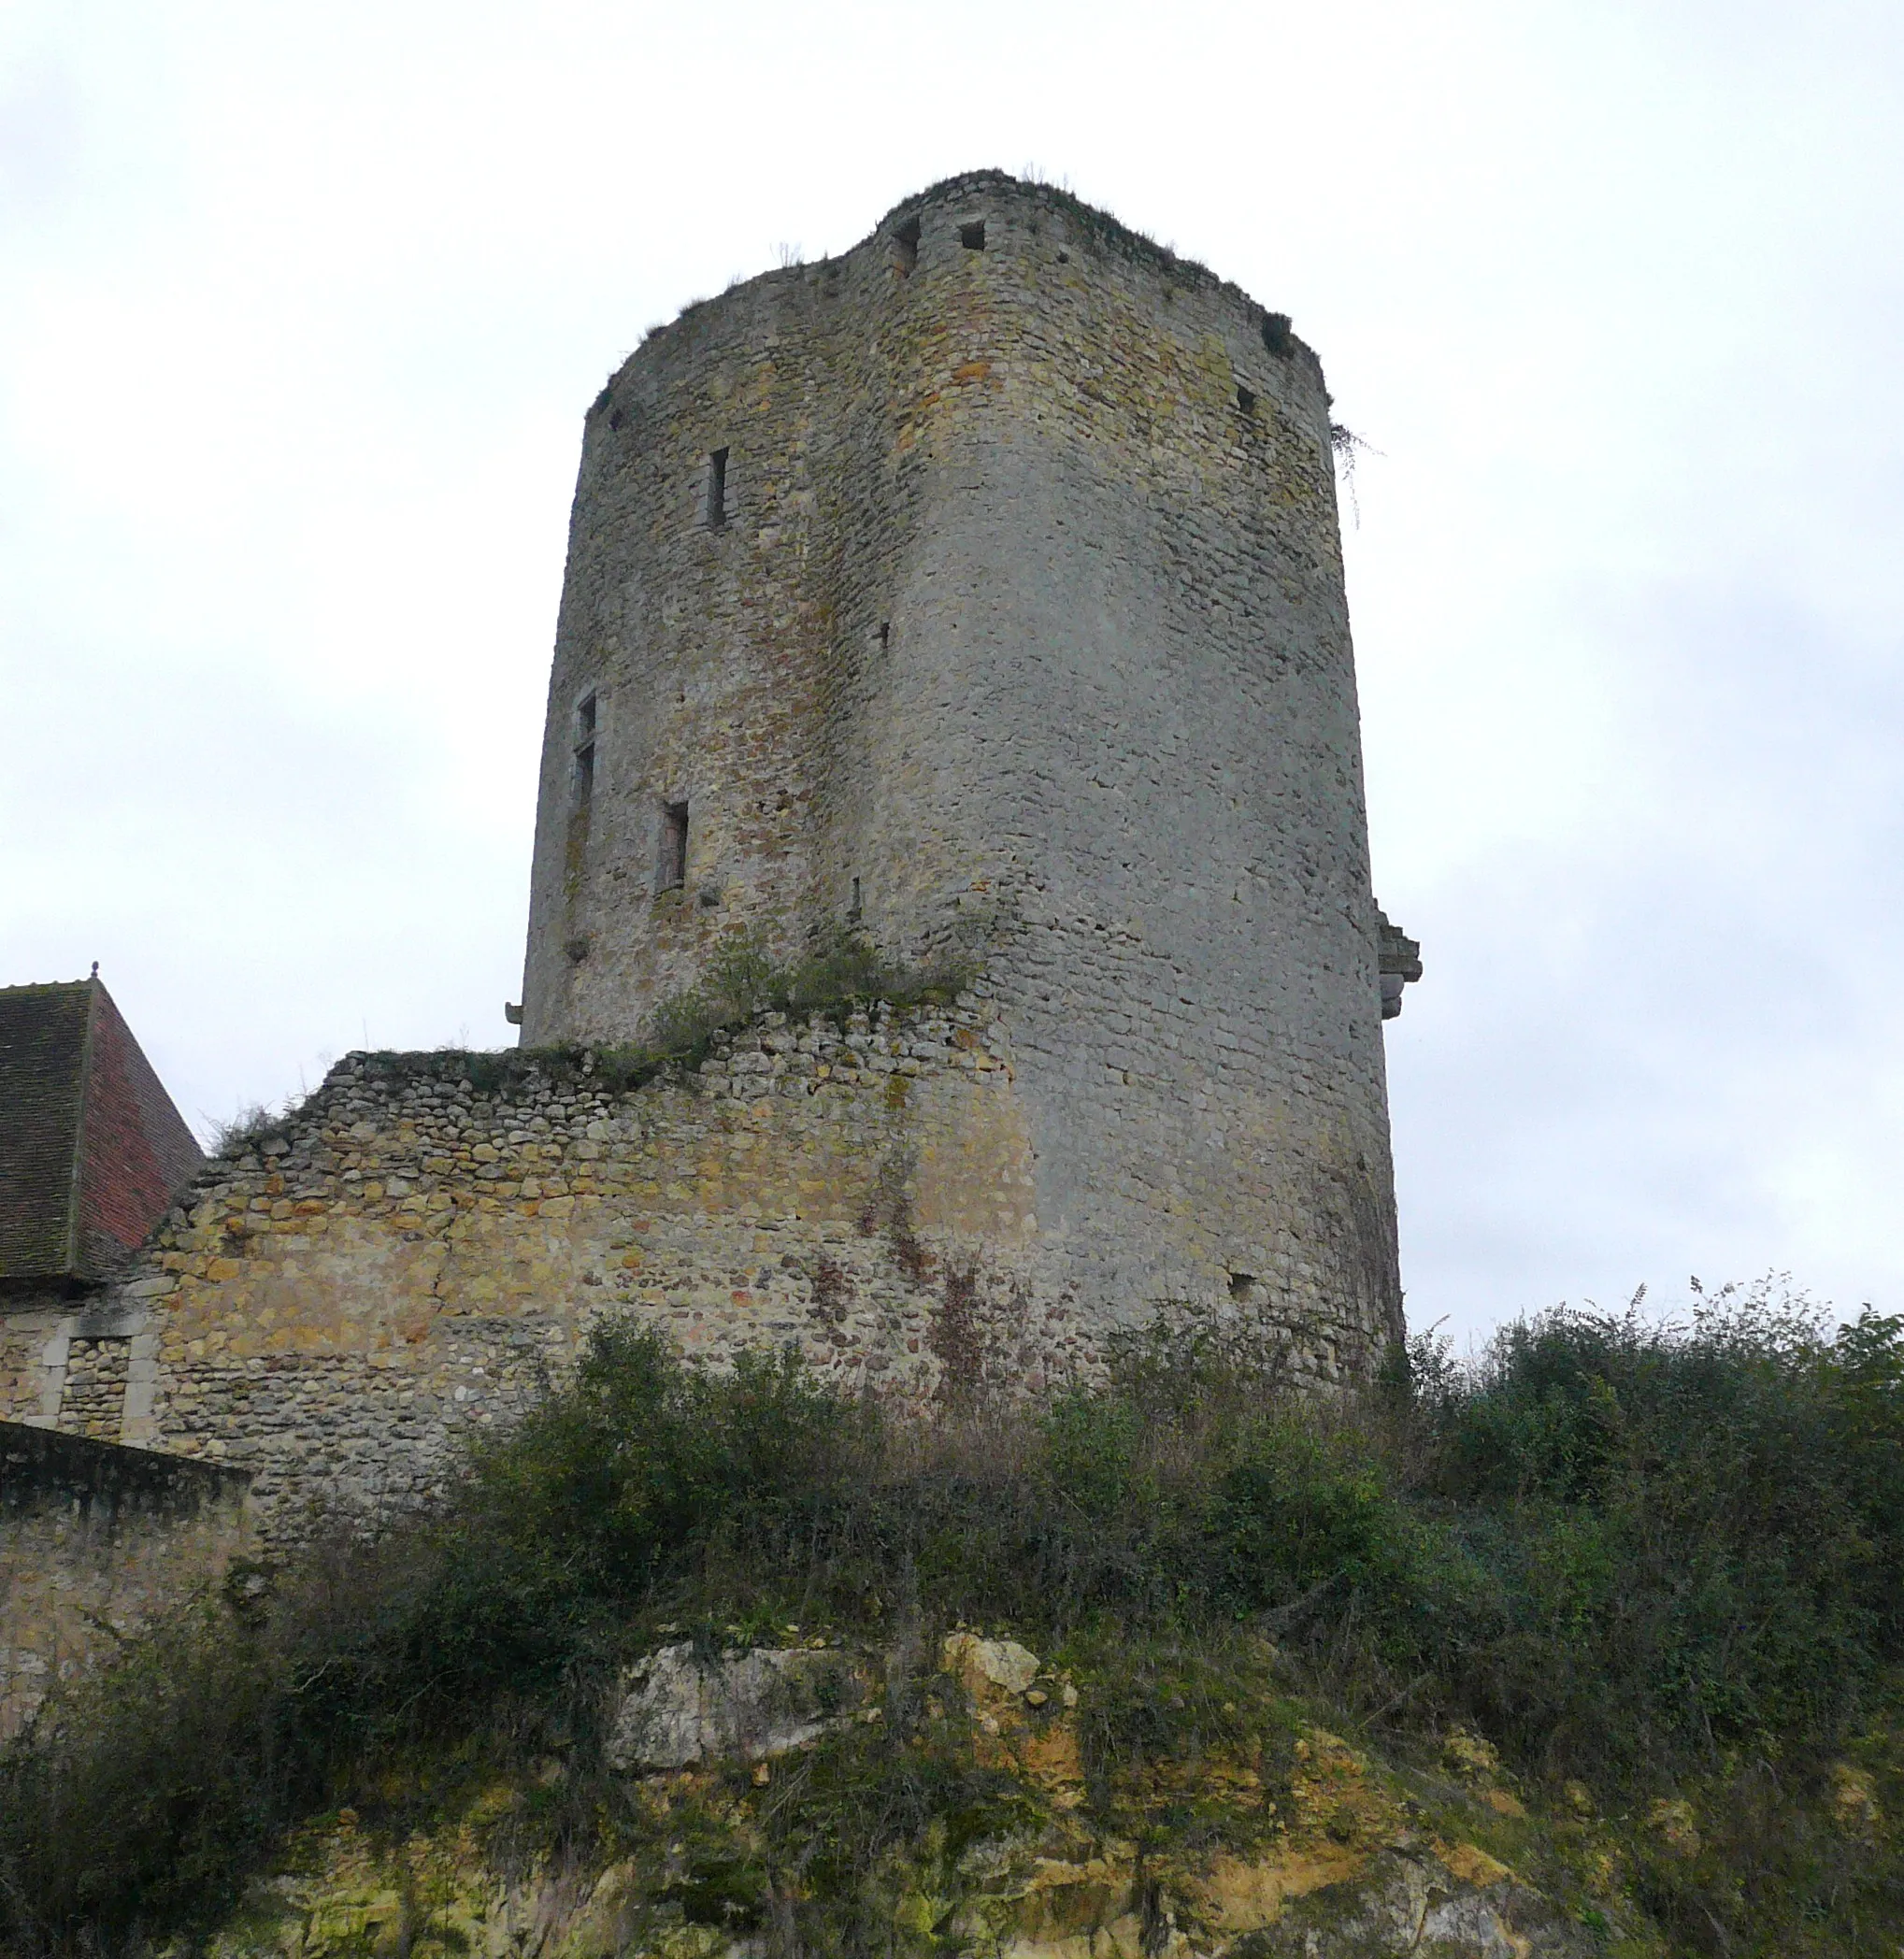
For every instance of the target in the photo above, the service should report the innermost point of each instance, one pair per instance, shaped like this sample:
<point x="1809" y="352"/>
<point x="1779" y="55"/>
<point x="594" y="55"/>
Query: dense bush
<point x="1695" y="1530"/>
<point x="1625" y="1550"/>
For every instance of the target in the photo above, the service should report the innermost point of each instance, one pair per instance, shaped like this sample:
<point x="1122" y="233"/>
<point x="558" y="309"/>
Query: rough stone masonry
<point x="981" y="588"/>
<point x="979" y="591"/>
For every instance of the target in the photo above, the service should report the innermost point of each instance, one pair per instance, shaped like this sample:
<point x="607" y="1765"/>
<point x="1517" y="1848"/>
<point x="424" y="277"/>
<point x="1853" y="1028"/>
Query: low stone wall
<point x="94" y="1538"/>
<point x="423" y="1248"/>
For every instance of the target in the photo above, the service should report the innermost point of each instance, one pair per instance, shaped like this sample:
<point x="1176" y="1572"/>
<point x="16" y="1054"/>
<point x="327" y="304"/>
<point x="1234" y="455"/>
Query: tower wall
<point x="1025" y="623"/>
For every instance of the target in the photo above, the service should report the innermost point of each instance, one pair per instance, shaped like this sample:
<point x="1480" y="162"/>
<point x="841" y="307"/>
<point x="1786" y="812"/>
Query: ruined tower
<point x="981" y="588"/>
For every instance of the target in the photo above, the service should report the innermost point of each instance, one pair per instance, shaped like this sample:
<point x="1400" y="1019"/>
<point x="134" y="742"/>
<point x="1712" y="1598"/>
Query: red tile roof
<point x="91" y="1149"/>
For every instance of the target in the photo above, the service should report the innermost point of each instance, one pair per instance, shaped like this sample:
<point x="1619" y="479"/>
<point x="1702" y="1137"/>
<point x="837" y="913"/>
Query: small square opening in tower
<point x="672" y="873"/>
<point x="972" y="236"/>
<point x="717" y="488"/>
<point x="906" y="245"/>
<point x="1246" y="399"/>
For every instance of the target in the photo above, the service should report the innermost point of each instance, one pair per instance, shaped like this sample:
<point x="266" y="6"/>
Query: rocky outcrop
<point x="1342" y="1856"/>
<point x="684" y="1707"/>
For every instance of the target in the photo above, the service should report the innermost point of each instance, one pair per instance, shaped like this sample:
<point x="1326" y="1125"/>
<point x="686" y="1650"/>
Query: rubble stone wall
<point x="95" y="1539"/>
<point x="421" y="1250"/>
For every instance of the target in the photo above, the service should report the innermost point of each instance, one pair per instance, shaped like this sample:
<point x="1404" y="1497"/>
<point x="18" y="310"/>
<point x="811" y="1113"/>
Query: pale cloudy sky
<point x="301" y="305"/>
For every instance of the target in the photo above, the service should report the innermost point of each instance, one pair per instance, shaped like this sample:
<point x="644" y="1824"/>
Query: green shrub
<point x="1695" y="1526"/>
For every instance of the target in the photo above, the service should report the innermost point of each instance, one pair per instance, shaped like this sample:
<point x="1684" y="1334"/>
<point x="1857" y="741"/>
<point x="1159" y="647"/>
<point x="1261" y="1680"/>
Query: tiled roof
<point x="42" y="1089"/>
<point x="92" y="1149"/>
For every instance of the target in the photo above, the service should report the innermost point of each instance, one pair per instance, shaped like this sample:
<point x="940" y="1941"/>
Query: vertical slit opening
<point x="853" y="909"/>
<point x="717" y="488"/>
<point x="583" y="778"/>
<point x="673" y="871"/>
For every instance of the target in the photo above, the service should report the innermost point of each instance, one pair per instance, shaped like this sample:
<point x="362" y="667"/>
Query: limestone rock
<point x="988" y="1668"/>
<point x="1405" y="1902"/>
<point x="682" y="1708"/>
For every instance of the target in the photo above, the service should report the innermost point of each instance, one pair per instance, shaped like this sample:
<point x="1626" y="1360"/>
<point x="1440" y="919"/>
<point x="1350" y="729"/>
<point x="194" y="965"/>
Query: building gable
<point x="92" y="1148"/>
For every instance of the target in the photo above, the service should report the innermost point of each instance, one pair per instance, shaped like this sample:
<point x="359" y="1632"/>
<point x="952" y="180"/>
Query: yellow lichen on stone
<point x="1241" y="1895"/>
<point x="1671" y="1820"/>
<point x="1472" y="1865"/>
<point x="1854" y="1800"/>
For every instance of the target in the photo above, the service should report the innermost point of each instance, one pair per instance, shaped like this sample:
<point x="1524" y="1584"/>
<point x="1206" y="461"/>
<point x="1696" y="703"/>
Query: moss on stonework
<point x="970" y="1820"/>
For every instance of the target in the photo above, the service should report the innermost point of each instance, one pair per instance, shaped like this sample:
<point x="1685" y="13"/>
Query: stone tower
<point x="982" y="588"/>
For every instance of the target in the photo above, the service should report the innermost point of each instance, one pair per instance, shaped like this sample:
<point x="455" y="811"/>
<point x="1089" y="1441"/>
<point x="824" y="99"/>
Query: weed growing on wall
<point x="244" y="1130"/>
<point x="840" y="972"/>
<point x="1639" y="1558"/>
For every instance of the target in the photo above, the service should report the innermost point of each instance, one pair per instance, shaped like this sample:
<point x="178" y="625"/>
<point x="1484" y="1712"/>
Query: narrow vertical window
<point x="584" y="775"/>
<point x="853" y="912"/>
<point x="905" y="245"/>
<point x="717" y="488"/>
<point x="673" y="871"/>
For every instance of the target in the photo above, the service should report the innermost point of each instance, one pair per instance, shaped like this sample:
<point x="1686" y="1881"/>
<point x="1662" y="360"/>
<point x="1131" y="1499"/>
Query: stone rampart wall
<point x="95" y="1539"/>
<point x="423" y="1248"/>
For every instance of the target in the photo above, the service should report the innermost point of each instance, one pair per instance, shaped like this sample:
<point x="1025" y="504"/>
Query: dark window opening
<point x="885" y="634"/>
<point x="673" y="873"/>
<point x="906" y="245"/>
<point x="853" y="909"/>
<point x="1246" y="401"/>
<point x="717" y="488"/>
<point x="972" y="236"/>
<point x="584" y="781"/>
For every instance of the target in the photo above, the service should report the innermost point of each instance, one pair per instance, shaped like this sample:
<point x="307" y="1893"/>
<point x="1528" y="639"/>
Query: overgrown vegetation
<point x="840" y="971"/>
<point x="246" y="1128"/>
<point x="1649" y="1558"/>
<point x="743" y="981"/>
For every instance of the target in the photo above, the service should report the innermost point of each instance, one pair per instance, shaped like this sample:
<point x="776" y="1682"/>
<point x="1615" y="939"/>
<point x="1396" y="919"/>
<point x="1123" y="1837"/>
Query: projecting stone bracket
<point x="1400" y="965"/>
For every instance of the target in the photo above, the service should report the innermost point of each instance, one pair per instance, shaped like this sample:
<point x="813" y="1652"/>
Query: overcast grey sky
<point x="300" y="308"/>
